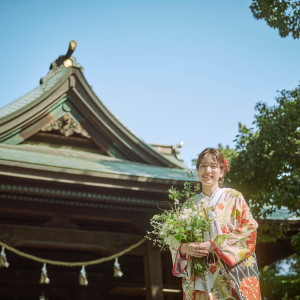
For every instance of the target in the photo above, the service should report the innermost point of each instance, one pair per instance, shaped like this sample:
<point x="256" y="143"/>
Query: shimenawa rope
<point x="71" y="264"/>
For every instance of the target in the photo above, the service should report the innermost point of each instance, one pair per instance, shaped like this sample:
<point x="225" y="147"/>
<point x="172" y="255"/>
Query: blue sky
<point x="171" y="71"/>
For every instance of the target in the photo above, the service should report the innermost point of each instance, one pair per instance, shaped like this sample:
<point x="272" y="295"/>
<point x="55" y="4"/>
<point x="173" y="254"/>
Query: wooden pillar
<point x="153" y="273"/>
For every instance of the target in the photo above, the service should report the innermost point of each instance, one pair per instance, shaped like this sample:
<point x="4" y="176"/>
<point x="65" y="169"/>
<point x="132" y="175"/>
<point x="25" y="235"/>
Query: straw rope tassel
<point x="82" y="277"/>
<point x="72" y="264"/>
<point x="3" y="260"/>
<point x="117" y="269"/>
<point x="44" y="275"/>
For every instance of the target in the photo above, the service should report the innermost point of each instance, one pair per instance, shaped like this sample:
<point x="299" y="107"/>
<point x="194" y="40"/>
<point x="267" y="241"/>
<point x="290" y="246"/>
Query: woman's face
<point x="209" y="171"/>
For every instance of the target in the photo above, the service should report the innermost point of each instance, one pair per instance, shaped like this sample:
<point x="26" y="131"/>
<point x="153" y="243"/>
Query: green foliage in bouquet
<point x="185" y="222"/>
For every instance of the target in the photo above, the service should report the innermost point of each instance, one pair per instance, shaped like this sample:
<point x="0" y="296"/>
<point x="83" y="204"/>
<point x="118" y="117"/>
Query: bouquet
<point x="186" y="221"/>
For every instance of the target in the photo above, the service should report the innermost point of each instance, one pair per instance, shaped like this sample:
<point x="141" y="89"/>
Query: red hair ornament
<point x="225" y="161"/>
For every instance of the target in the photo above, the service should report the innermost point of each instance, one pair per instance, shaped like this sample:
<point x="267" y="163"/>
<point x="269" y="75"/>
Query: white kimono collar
<point x="214" y="198"/>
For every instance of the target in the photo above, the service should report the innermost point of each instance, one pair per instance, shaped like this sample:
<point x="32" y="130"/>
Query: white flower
<point x="172" y="242"/>
<point x="186" y="213"/>
<point x="194" y="213"/>
<point x="178" y="223"/>
<point x="197" y="231"/>
<point x="163" y="231"/>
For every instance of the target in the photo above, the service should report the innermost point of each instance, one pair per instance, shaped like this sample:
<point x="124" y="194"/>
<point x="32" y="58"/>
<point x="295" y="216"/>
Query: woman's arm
<point x="235" y="246"/>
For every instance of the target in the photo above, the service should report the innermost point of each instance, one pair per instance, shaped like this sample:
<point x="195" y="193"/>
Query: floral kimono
<point x="232" y="269"/>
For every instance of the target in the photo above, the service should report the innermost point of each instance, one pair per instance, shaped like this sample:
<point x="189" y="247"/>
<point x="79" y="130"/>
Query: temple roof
<point x="62" y="127"/>
<point x="26" y="100"/>
<point x="64" y="161"/>
<point x="282" y="214"/>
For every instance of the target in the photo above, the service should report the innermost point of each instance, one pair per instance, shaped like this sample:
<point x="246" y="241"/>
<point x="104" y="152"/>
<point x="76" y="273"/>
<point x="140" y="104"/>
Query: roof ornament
<point x="179" y="145"/>
<point x="169" y="150"/>
<point x="175" y="150"/>
<point x="66" y="126"/>
<point x="63" y="61"/>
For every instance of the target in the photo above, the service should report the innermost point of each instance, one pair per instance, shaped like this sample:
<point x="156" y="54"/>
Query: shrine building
<point x="77" y="185"/>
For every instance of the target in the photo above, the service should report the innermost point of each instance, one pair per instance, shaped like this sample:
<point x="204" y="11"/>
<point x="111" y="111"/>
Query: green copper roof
<point x="281" y="214"/>
<point x="39" y="106"/>
<point x="32" y="95"/>
<point x="98" y="163"/>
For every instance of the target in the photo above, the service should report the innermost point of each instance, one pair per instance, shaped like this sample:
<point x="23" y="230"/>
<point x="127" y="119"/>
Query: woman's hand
<point x="196" y="249"/>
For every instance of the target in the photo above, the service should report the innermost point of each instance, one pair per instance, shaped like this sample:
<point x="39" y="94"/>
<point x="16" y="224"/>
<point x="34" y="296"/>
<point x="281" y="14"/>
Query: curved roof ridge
<point x="31" y="95"/>
<point x="137" y="148"/>
<point x="89" y="165"/>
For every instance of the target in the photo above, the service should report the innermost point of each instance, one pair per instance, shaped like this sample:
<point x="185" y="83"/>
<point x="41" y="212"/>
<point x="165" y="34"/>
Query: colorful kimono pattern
<point x="232" y="268"/>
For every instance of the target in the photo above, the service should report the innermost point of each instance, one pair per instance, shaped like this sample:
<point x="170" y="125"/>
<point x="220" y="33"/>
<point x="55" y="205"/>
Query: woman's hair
<point x="215" y="154"/>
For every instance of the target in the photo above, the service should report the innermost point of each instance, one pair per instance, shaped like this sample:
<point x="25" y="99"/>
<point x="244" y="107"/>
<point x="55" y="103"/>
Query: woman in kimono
<point x="232" y="271"/>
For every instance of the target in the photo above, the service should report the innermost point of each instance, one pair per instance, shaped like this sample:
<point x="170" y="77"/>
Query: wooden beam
<point x="132" y="291"/>
<point x="139" y="291"/>
<point x="153" y="273"/>
<point x="70" y="239"/>
<point x="88" y="179"/>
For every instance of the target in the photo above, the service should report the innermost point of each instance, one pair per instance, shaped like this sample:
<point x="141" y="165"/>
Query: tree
<point x="277" y="283"/>
<point x="227" y="152"/>
<point x="266" y="169"/>
<point x="281" y="14"/>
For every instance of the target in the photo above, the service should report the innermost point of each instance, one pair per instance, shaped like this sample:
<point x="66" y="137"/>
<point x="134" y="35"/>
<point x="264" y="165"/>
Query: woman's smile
<point x="209" y="172"/>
